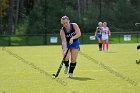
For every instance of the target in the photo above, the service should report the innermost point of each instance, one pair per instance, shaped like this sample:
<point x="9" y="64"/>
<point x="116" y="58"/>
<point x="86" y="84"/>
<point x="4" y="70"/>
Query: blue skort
<point x="99" y="36"/>
<point x="75" y="45"/>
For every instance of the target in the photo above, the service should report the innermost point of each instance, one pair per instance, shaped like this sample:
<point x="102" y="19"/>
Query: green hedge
<point x="45" y="40"/>
<point x="4" y="41"/>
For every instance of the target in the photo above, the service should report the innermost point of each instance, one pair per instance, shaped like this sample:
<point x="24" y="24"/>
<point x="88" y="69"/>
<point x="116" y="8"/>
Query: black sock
<point x="100" y="46"/>
<point x="72" y="67"/>
<point x="66" y="63"/>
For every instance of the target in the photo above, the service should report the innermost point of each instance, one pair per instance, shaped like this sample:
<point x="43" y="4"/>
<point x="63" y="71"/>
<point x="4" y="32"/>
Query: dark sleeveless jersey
<point x="99" y="30"/>
<point x="70" y="34"/>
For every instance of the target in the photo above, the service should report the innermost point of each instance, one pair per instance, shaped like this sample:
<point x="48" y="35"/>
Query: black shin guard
<point x="72" y="67"/>
<point x="66" y="63"/>
<point x="100" y="46"/>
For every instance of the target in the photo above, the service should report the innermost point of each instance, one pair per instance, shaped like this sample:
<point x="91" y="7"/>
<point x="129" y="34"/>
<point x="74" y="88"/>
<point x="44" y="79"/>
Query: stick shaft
<point x="59" y="69"/>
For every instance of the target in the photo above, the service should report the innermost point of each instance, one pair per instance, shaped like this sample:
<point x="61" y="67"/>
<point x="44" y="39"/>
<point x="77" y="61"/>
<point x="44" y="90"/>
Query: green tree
<point x="36" y="19"/>
<point x="124" y="15"/>
<point x="3" y="13"/>
<point x="10" y="17"/>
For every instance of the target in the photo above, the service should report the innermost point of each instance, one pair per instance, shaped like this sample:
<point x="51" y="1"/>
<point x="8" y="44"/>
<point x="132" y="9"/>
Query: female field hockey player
<point x="98" y="34"/>
<point x="105" y="34"/>
<point x="70" y="32"/>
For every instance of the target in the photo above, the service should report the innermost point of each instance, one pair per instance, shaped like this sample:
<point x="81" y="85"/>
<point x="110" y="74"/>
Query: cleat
<point x="71" y="75"/>
<point x="100" y="49"/>
<point x="66" y="70"/>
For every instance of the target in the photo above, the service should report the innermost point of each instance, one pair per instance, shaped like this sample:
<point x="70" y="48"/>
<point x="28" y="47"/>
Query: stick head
<point x="53" y="75"/>
<point x="138" y="47"/>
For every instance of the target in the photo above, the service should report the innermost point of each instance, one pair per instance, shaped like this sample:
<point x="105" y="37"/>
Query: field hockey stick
<point x="59" y="69"/>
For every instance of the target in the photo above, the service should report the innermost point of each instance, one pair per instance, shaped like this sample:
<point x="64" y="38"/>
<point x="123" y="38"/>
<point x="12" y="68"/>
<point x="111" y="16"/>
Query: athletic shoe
<point x="108" y="50"/>
<point x="66" y="69"/>
<point x="70" y="75"/>
<point x="100" y="49"/>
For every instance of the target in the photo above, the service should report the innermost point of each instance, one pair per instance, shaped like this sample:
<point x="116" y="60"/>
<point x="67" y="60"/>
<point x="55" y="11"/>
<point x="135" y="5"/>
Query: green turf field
<point x="28" y="69"/>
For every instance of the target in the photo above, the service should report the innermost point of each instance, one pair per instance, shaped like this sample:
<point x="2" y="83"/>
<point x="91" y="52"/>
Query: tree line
<point x="43" y="16"/>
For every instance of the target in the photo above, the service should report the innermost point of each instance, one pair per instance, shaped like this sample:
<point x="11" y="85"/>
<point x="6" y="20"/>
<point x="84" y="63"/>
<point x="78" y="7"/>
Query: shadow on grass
<point x="82" y="78"/>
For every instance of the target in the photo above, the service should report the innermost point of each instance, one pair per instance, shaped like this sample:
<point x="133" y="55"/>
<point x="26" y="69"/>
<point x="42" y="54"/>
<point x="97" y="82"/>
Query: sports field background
<point x="28" y="69"/>
<point x="45" y="39"/>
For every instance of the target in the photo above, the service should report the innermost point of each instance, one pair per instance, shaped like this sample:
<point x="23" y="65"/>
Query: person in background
<point x="105" y="36"/>
<point x="98" y="35"/>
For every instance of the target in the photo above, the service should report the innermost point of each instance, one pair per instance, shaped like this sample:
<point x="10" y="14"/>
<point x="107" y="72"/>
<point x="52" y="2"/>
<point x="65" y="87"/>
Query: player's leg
<point x="100" y="44"/>
<point x="103" y="42"/>
<point x="74" y="54"/>
<point x="107" y="44"/>
<point x="66" y="62"/>
<point x="103" y="45"/>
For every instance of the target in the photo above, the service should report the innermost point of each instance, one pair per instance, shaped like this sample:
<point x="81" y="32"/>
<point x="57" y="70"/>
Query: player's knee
<point x="73" y="60"/>
<point x="66" y="59"/>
